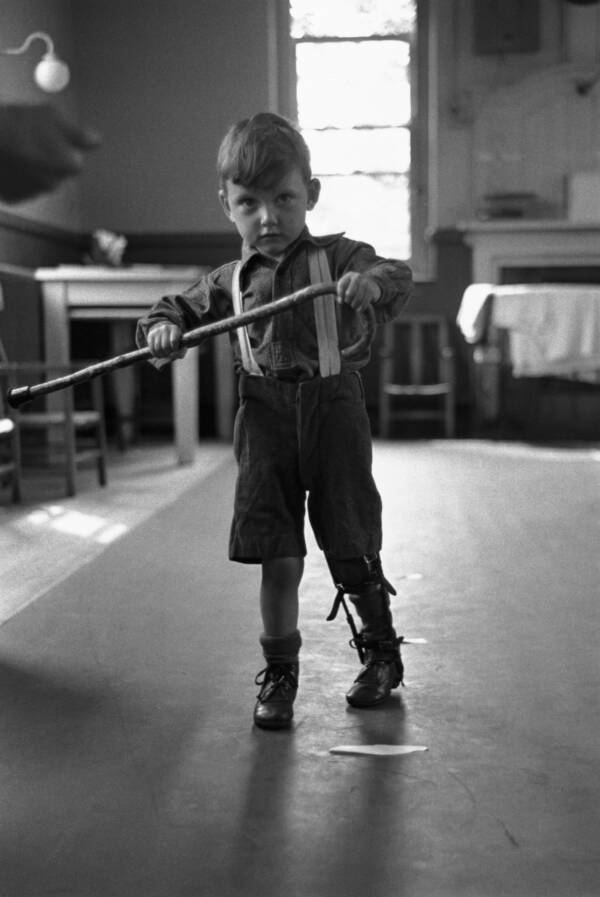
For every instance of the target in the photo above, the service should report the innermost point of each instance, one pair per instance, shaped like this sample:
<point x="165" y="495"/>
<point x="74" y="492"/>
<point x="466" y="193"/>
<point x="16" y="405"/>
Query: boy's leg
<point x="279" y="595"/>
<point x="280" y="642"/>
<point x="345" y="512"/>
<point x="377" y="644"/>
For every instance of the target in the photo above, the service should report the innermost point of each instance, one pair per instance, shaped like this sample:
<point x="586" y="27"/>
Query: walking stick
<point x="20" y="395"/>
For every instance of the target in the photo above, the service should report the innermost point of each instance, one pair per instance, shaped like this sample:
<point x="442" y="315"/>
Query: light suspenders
<point x="249" y="362"/>
<point x="324" y="308"/>
<point x="325" y="320"/>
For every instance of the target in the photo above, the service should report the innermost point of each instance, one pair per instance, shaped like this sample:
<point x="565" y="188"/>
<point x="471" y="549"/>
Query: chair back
<point x="417" y="371"/>
<point x="414" y="350"/>
<point x="10" y="455"/>
<point x="4" y="410"/>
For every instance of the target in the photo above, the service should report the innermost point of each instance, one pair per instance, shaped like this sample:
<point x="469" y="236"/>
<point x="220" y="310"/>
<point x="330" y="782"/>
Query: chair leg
<point x="384" y="416"/>
<point x="17" y="494"/>
<point x="16" y="474"/>
<point x="70" y="463"/>
<point x="449" y="416"/>
<point x="98" y="403"/>
<point x="70" y="436"/>
<point x="102" y="453"/>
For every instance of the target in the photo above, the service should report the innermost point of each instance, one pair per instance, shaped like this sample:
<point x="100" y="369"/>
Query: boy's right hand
<point x="164" y="341"/>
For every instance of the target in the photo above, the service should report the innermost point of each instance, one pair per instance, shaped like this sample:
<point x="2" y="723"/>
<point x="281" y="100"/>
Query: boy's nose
<point x="268" y="213"/>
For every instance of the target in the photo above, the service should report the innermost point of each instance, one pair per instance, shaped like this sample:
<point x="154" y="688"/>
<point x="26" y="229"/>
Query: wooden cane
<point x="20" y="395"/>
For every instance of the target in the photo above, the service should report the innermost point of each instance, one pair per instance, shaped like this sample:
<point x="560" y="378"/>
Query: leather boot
<point x="383" y="669"/>
<point x="278" y="680"/>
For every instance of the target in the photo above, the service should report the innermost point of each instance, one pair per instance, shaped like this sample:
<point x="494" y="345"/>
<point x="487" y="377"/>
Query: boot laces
<point x="275" y="677"/>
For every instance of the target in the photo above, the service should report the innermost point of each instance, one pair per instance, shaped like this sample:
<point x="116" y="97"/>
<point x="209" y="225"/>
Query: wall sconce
<point x="51" y="73"/>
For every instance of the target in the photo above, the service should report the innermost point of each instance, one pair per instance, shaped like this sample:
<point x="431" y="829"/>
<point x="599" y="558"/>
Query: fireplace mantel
<point x="521" y="243"/>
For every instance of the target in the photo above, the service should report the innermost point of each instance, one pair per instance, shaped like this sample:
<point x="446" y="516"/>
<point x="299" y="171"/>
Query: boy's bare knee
<point x="281" y="573"/>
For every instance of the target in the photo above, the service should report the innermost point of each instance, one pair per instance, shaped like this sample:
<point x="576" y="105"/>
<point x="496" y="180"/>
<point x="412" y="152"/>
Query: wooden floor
<point x="128" y="763"/>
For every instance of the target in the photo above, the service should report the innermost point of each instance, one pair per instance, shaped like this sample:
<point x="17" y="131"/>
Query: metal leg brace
<point x="370" y="577"/>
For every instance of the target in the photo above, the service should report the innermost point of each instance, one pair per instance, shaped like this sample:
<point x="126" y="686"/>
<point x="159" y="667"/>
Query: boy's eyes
<point x="249" y="202"/>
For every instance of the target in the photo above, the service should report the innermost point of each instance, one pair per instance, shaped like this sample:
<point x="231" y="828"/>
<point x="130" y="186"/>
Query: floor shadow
<point x="264" y="826"/>
<point x="318" y="824"/>
<point x="372" y="826"/>
<point x="88" y="765"/>
<point x="36" y="703"/>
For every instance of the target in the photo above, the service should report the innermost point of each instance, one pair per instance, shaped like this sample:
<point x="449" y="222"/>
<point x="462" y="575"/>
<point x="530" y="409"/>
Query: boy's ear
<point x="225" y="203"/>
<point x="314" y="191"/>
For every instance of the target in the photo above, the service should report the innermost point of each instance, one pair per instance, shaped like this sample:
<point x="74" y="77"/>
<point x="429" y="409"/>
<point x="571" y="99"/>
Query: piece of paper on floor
<point x="377" y="750"/>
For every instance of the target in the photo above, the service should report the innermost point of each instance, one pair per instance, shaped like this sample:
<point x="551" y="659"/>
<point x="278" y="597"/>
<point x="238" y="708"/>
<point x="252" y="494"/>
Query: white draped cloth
<point x="554" y="329"/>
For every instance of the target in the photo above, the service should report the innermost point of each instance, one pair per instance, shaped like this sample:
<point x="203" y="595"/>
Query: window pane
<point x="373" y="209"/>
<point x="344" y="85"/>
<point x="347" y="18"/>
<point x="347" y="151"/>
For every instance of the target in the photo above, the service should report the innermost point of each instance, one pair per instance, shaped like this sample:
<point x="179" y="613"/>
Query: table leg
<point x="487" y="371"/>
<point x="57" y="343"/>
<point x="224" y="388"/>
<point x="122" y="336"/>
<point x="57" y="349"/>
<point x="185" y="387"/>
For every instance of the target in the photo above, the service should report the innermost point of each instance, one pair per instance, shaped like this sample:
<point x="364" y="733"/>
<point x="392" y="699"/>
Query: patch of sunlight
<point x="378" y="750"/>
<point x="73" y="523"/>
<point x="111" y="533"/>
<point x="566" y="452"/>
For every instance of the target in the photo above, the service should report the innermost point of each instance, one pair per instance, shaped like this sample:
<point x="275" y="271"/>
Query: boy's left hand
<point x="357" y="290"/>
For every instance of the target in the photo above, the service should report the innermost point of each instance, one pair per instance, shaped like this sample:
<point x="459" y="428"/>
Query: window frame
<point x="283" y="99"/>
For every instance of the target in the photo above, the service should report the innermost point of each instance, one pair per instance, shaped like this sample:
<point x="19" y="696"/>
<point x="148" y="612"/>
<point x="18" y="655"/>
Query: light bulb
<point x="51" y="73"/>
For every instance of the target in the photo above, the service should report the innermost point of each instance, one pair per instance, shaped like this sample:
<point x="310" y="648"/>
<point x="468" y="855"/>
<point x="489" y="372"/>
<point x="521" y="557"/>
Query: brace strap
<point x="380" y="645"/>
<point x="355" y="641"/>
<point x="374" y="568"/>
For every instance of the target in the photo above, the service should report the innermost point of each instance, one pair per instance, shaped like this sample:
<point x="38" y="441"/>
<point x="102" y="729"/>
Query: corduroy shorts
<point x="304" y="445"/>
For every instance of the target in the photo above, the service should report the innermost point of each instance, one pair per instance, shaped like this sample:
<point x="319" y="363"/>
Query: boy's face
<point x="269" y="219"/>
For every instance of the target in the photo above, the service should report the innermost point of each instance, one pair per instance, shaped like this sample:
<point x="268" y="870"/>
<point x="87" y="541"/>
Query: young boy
<point x="301" y="428"/>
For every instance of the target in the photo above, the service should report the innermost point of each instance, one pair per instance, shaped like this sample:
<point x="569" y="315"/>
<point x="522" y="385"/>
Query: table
<point x="121" y="296"/>
<point x="553" y="330"/>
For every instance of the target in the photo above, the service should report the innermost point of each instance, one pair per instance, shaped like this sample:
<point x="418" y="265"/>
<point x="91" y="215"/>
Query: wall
<point x="162" y="81"/>
<point x="18" y="18"/>
<point x="465" y="81"/>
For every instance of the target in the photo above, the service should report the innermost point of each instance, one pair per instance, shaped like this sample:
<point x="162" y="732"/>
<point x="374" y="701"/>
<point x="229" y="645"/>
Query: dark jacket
<point x="285" y="345"/>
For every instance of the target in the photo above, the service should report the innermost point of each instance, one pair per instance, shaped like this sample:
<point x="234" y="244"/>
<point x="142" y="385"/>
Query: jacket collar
<point x="304" y="237"/>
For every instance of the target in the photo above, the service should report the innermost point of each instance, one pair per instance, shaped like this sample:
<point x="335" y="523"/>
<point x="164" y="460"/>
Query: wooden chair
<point x="68" y="429"/>
<point x="417" y="380"/>
<point x="10" y="449"/>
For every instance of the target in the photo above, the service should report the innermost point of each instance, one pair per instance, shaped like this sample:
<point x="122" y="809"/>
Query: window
<point x="353" y="95"/>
